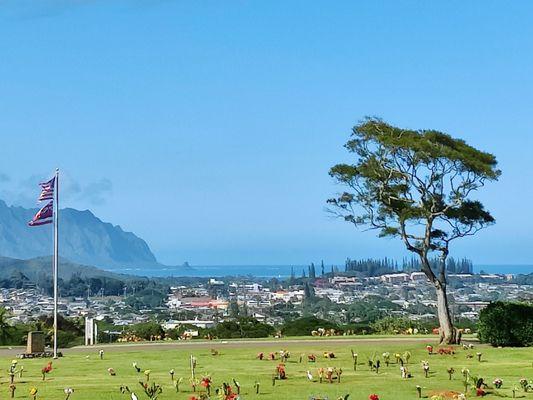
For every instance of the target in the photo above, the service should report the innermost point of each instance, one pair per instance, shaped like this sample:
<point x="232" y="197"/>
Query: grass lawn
<point x="89" y="378"/>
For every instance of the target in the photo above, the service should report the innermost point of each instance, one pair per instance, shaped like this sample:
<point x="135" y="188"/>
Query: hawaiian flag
<point x="44" y="216"/>
<point x="47" y="190"/>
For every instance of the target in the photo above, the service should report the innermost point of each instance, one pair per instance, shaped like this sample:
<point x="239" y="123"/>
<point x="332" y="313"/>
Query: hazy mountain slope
<point x="84" y="239"/>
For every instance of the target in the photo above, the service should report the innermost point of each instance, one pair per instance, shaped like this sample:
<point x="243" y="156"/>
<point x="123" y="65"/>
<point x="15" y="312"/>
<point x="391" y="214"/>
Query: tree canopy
<point x="414" y="184"/>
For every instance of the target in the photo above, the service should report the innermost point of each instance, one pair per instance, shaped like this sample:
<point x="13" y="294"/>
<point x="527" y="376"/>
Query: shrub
<point x="304" y="326"/>
<point x="506" y="324"/>
<point x="390" y="325"/>
<point x="241" y="328"/>
<point x="148" y="330"/>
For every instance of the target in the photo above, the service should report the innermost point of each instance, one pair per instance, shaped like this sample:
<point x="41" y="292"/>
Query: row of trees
<point x="500" y="324"/>
<point x="79" y="285"/>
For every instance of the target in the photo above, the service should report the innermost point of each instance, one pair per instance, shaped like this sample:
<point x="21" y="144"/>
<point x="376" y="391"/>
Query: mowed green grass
<point x="89" y="378"/>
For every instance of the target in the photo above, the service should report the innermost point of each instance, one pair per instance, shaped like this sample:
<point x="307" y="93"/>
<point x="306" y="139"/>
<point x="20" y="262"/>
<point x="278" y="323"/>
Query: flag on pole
<point x="44" y="216"/>
<point x="47" y="190"/>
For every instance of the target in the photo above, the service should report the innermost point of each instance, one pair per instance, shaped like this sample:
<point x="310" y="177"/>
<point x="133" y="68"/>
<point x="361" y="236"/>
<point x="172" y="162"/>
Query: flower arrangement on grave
<point x="450" y="372"/>
<point x="136" y="367"/>
<point x="398" y="358"/>
<point x="446" y="351"/>
<point x="386" y="358"/>
<point x="460" y="396"/>
<point x="376" y="365"/>
<point x="111" y="371"/>
<point x="202" y="396"/>
<point x="237" y="386"/>
<point x="479" y="356"/>
<point x="329" y="374"/>
<point x="338" y="372"/>
<point x="373" y="397"/>
<point x="228" y="393"/>
<point x="272" y="356"/>
<point x="355" y="356"/>
<point x="33" y="393"/>
<point x="311" y="358"/>
<point x="46" y="369"/>
<point x="480" y="392"/>
<point x="280" y="371"/>
<point x="256" y="387"/>
<point x="429" y="349"/>
<point x="404" y="372"/>
<point x="206" y="383"/>
<point x="497" y="383"/>
<point x="525" y="385"/>
<point x="419" y="391"/>
<point x="177" y="384"/>
<point x="425" y="367"/>
<point x="152" y="391"/>
<point x="214" y="352"/>
<point x="101" y="354"/>
<point x="194" y="383"/>
<point x="260" y="355"/>
<point x="171" y="373"/>
<point x="147" y="374"/>
<point x="12" y="371"/>
<point x="12" y="389"/>
<point x="68" y="392"/>
<point x="321" y="373"/>
<point x="407" y="356"/>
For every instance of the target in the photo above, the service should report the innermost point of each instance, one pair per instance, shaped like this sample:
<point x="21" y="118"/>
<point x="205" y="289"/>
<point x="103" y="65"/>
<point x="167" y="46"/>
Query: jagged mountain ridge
<point x="83" y="238"/>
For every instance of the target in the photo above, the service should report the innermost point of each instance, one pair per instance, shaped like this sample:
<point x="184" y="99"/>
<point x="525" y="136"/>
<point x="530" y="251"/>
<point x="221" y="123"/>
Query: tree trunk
<point x="447" y="330"/>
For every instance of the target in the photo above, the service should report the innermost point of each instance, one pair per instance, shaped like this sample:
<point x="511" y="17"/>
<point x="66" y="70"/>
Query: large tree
<point x="415" y="185"/>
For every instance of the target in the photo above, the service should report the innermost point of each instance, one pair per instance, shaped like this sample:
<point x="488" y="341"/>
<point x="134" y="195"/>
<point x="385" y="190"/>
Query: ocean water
<point x="277" y="271"/>
<point x="214" y="271"/>
<point x="504" y="269"/>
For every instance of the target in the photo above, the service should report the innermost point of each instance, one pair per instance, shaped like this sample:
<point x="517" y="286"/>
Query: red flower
<point x="480" y="392"/>
<point x="47" y="368"/>
<point x="373" y="397"/>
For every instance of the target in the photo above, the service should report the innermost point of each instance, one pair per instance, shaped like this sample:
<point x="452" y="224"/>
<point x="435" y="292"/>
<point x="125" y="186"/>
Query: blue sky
<point x="208" y="127"/>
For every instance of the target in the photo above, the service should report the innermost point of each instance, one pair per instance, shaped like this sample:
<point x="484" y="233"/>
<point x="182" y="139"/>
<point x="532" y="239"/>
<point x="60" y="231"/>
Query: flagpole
<point x="56" y="255"/>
